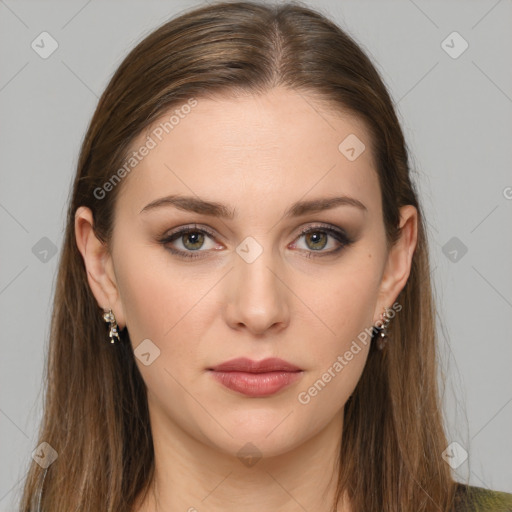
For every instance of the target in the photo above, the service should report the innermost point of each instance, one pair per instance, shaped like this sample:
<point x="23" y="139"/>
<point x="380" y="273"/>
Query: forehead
<point x="278" y="145"/>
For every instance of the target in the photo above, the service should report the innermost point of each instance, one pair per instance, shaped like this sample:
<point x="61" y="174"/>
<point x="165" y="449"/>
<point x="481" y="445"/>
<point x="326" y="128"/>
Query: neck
<point x="193" y="476"/>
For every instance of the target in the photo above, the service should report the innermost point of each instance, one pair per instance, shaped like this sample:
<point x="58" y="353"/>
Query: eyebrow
<point x="215" y="209"/>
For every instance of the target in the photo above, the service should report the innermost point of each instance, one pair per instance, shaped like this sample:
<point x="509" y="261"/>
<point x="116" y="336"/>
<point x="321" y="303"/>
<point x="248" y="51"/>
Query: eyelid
<point x="339" y="234"/>
<point x="193" y="227"/>
<point x="330" y="228"/>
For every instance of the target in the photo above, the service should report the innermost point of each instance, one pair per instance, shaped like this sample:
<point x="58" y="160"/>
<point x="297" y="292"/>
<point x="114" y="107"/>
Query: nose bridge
<point x="255" y="265"/>
<point x="259" y="296"/>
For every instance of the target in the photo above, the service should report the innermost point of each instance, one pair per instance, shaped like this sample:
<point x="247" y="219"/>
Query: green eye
<point x="316" y="239"/>
<point x="193" y="239"/>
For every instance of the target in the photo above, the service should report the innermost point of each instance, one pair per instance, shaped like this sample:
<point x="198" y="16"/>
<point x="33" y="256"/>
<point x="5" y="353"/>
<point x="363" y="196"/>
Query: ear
<point x="98" y="265"/>
<point x="398" y="264"/>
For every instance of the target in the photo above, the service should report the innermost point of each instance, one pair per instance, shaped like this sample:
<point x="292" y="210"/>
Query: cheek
<point x="345" y="307"/>
<point x="151" y="294"/>
<point x="162" y="304"/>
<point x="146" y="303"/>
<point x="345" y="302"/>
<point x="338" y="357"/>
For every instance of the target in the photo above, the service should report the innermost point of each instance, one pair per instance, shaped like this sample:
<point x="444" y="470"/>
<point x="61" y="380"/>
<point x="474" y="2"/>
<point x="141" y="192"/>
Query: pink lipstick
<point x="256" y="378"/>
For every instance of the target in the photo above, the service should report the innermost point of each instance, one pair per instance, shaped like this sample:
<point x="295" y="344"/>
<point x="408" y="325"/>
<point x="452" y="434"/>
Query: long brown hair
<point x="95" y="411"/>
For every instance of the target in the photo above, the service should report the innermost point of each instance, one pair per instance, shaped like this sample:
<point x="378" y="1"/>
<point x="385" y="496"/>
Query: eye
<point x="192" y="240"/>
<point x="316" y="239"/>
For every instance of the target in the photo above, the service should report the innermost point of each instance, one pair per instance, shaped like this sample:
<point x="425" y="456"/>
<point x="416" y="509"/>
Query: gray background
<point x="456" y="113"/>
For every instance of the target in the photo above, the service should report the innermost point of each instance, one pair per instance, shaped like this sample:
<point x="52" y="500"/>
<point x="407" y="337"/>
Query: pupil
<point x="193" y="239"/>
<point x="316" y="240"/>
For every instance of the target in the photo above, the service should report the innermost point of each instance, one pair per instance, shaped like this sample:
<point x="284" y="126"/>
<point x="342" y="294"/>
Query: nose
<point x="257" y="295"/>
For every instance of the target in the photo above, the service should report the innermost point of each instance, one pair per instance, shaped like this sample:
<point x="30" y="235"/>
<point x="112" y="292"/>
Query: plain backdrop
<point x="453" y="94"/>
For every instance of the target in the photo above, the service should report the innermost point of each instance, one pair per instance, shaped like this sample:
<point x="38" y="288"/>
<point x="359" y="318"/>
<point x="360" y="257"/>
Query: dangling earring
<point x="113" y="333"/>
<point x="382" y="332"/>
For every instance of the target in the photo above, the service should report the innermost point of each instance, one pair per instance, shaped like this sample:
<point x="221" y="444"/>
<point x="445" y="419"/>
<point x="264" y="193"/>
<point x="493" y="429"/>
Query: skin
<point x="258" y="154"/>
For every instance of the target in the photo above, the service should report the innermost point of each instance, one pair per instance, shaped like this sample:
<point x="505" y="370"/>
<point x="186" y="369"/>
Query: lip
<point x="243" y="364"/>
<point x="256" y="378"/>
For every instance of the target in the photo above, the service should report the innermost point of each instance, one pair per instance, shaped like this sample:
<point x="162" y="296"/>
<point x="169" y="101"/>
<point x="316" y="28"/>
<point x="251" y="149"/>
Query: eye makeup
<point x="198" y="234"/>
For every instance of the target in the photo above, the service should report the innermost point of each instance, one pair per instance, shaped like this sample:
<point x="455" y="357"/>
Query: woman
<point x="244" y="221"/>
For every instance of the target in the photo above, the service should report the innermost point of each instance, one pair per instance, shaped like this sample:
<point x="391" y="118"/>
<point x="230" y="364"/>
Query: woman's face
<point x="249" y="284"/>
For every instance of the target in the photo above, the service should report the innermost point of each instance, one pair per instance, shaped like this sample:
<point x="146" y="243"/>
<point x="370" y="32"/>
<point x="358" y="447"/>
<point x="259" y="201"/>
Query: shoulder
<point x="470" y="498"/>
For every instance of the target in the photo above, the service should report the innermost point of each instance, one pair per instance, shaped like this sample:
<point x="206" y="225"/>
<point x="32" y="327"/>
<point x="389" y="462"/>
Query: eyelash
<point x="337" y="234"/>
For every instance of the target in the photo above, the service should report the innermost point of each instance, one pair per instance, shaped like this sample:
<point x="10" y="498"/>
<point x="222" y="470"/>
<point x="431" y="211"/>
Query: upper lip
<point x="243" y="364"/>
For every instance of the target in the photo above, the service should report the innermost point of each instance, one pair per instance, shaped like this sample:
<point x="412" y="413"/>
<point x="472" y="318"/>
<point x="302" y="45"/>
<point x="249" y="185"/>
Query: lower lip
<point x="256" y="384"/>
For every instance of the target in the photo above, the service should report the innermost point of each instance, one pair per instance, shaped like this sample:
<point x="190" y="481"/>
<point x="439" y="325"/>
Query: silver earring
<point x="113" y="332"/>
<point x="382" y="332"/>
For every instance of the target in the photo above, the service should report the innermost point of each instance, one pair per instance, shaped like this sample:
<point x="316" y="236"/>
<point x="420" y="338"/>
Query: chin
<point x="260" y="433"/>
<point x="249" y="449"/>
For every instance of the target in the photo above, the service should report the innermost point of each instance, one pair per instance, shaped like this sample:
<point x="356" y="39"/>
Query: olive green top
<point x="477" y="499"/>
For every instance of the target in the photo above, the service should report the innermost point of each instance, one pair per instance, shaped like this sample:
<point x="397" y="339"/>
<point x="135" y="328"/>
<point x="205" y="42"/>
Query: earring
<point x="382" y="332"/>
<point x="109" y="317"/>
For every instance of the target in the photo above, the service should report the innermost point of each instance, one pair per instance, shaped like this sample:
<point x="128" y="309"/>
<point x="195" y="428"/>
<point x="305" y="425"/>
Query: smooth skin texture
<point x="257" y="154"/>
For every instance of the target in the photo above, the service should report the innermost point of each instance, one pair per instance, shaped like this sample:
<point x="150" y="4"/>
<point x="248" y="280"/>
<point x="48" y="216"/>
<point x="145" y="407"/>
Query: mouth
<point x="256" y="378"/>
